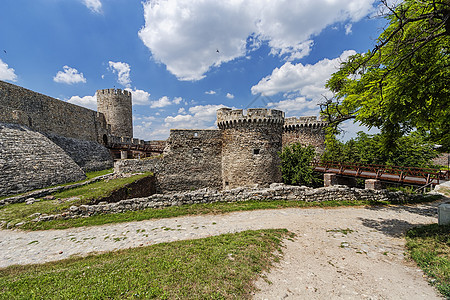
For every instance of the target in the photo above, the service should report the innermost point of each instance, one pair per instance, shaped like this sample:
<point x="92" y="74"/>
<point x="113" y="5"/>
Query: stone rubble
<point x="276" y="191"/>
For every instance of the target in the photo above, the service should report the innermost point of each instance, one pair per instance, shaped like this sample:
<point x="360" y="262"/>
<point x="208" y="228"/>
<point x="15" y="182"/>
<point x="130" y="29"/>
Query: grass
<point x="219" y="267"/>
<point x="429" y="246"/>
<point x="20" y="212"/>
<point x="89" y="175"/>
<point x="176" y="211"/>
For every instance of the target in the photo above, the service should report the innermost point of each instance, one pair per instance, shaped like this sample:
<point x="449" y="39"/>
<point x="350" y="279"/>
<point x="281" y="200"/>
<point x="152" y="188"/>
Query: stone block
<point x="329" y="179"/>
<point x="373" y="184"/>
<point x="444" y="214"/>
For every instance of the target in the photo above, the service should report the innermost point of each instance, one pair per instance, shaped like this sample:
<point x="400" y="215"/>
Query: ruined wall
<point x="306" y="130"/>
<point x="276" y="191"/>
<point x="191" y="160"/>
<point x="89" y="155"/>
<point x="46" y="114"/>
<point x="251" y="143"/>
<point x="29" y="160"/>
<point x="115" y="105"/>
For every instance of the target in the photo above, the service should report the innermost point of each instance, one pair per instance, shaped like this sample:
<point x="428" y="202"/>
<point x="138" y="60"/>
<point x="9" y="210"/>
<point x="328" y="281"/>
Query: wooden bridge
<point x="411" y="175"/>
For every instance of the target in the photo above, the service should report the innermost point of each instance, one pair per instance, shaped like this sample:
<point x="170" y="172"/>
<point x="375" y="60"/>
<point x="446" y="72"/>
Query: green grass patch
<point x="20" y="212"/>
<point x="193" y="209"/>
<point x="89" y="175"/>
<point x="219" y="267"/>
<point x="429" y="246"/>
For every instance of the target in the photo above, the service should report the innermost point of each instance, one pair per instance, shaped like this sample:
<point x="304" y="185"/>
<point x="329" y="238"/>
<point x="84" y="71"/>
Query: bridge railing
<point x="402" y="174"/>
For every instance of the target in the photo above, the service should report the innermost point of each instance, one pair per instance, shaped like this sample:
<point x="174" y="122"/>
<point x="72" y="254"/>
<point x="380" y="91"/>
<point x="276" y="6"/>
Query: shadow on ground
<point x="390" y="227"/>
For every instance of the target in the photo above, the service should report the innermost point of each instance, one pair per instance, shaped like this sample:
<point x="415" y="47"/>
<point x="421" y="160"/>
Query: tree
<point x="296" y="165"/>
<point x="410" y="150"/>
<point x="403" y="84"/>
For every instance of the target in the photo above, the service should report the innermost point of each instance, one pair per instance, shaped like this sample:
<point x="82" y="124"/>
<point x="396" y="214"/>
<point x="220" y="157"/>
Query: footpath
<point x="339" y="253"/>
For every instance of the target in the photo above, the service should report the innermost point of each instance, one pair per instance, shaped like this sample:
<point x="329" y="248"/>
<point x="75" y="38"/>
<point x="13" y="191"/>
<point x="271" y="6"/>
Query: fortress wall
<point x="49" y="115"/>
<point x="308" y="130"/>
<point x="90" y="156"/>
<point x="29" y="160"/>
<point x="191" y="160"/>
<point x="251" y="143"/>
<point x="306" y="136"/>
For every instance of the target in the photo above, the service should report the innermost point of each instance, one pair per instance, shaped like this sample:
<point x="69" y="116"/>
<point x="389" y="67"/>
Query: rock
<point x="73" y="208"/>
<point x="30" y="201"/>
<point x="49" y="197"/>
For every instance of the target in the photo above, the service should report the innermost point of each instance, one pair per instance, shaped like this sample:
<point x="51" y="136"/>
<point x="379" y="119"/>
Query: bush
<point x="296" y="166"/>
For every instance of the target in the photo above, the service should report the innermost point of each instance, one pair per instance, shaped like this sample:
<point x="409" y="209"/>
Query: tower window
<point x="195" y="134"/>
<point x="255" y="151"/>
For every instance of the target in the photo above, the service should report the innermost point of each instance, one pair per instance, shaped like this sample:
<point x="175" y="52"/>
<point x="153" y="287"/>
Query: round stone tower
<point x="115" y="105"/>
<point x="250" y="146"/>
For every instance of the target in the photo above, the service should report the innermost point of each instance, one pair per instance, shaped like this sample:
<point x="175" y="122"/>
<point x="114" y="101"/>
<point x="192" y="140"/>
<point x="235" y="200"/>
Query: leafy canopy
<point x="404" y="82"/>
<point x="411" y="151"/>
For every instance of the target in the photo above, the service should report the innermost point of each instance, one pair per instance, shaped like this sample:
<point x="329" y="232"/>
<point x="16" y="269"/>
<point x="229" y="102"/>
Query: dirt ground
<point x="337" y="253"/>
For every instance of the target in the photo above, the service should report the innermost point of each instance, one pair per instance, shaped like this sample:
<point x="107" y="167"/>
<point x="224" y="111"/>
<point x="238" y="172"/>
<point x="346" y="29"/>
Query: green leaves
<point x="296" y="166"/>
<point x="403" y="83"/>
<point x="411" y="150"/>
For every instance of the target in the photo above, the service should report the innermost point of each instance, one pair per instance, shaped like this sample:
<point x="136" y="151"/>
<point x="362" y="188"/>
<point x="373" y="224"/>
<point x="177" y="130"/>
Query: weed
<point x="343" y="231"/>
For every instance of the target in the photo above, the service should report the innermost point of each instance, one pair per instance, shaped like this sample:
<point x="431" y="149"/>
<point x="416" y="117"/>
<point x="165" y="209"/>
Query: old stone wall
<point x="305" y="130"/>
<point x="89" y="155"/>
<point x="116" y="106"/>
<point x="48" y="115"/>
<point x="276" y="191"/>
<point x="442" y="160"/>
<point x="29" y="160"/>
<point x="251" y="143"/>
<point x="191" y="160"/>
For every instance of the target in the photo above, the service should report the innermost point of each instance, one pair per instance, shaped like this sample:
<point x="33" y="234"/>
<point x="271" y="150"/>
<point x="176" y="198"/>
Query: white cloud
<point x="307" y="80"/>
<point x="230" y="96"/>
<point x="211" y="92"/>
<point x="296" y="106"/>
<point x="199" y="117"/>
<point x="93" y="5"/>
<point x="69" y="76"/>
<point x="181" y="110"/>
<point x="7" y="73"/>
<point x="348" y="29"/>
<point x="139" y="97"/>
<point x="186" y="34"/>
<point x="86" y="101"/>
<point x="161" y="102"/>
<point x="123" y="72"/>
<point x="165" y="101"/>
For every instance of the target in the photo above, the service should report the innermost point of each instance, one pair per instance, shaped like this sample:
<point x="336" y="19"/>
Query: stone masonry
<point x="251" y="143"/>
<point x="243" y="152"/>
<point x="29" y="160"/>
<point x="115" y="104"/>
<point x="276" y="191"/>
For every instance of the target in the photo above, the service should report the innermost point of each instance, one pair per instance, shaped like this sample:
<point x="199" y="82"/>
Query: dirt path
<point x="345" y="253"/>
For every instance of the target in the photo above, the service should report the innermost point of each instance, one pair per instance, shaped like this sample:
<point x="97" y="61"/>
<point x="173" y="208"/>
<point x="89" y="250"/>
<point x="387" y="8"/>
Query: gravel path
<point x="345" y="253"/>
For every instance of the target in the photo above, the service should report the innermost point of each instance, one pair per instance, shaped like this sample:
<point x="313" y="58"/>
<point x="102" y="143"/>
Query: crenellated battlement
<point x="227" y="117"/>
<point x="293" y="123"/>
<point x="114" y="92"/>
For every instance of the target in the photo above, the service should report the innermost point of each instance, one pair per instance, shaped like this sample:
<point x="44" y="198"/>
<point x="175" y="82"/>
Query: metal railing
<point x="383" y="172"/>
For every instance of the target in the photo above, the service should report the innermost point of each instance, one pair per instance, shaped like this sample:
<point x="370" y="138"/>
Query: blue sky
<point x="184" y="59"/>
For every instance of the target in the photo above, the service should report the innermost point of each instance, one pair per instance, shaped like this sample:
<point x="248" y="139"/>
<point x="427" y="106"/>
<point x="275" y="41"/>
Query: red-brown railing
<point x="383" y="172"/>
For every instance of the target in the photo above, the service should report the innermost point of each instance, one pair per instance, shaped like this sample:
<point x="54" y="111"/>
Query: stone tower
<point x="250" y="146"/>
<point x="115" y="104"/>
<point x="306" y="130"/>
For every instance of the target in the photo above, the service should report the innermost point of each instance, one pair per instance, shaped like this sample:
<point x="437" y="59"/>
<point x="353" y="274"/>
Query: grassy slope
<point x="19" y="212"/>
<point x="219" y="267"/>
<point x="429" y="246"/>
